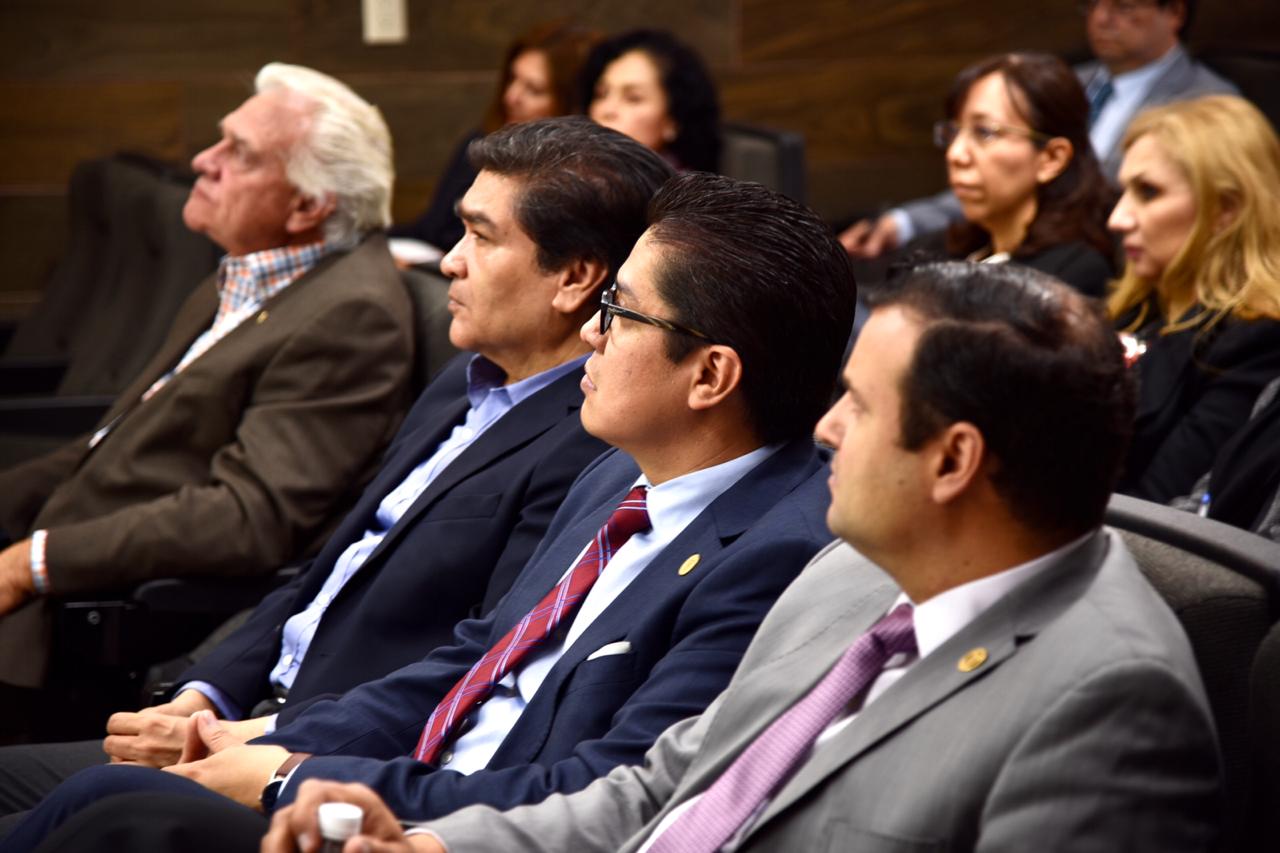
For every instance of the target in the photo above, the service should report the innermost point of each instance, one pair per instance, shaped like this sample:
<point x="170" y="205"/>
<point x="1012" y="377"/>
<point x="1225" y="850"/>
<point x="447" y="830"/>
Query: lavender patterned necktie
<point x="771" y="758"/>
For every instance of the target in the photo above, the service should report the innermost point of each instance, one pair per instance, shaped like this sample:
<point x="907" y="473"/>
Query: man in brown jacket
<point x="260" y="417"/>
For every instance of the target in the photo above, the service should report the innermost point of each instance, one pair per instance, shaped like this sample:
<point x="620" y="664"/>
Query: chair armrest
<point x="31" y="376"/>
<point x="157" y="620"/>
<point x="56" y="416"/>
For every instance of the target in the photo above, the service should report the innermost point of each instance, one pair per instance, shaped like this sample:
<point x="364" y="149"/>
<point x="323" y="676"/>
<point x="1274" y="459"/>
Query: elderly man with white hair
<point x="265" y="409"/>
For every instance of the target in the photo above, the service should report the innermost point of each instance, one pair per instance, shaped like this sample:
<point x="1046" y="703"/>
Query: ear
<point x="309" y="213"/>
<point x="718" y="374"/>
<point x="1228" y="212"/>
<point x="577" y="285"/>
<point x="1054" y="159"/>
<point x="959" y="456"/>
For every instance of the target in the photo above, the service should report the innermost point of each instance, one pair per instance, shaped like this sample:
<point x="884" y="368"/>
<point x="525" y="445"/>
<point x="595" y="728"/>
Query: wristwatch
<point x="271" y="793"/>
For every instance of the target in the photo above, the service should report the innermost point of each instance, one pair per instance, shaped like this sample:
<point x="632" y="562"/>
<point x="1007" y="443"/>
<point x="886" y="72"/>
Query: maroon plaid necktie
<point x="629" y="518"/>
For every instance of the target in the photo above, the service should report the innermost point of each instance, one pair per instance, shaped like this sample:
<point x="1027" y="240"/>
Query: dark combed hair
<point x="584" y="189"/>
<point x="1073" y="206"/>
<point x="759" y="273"/>
<point x="691" y="94"/>
<point x="1036" y="367"/>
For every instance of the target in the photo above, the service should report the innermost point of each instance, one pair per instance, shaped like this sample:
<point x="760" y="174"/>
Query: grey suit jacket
<point x="1183" y="79"/>
<point x="1086" y="728"/>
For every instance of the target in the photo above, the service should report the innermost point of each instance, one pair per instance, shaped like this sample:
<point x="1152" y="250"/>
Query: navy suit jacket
<point x="687" y="634"/>
<point x="460" y="544"/>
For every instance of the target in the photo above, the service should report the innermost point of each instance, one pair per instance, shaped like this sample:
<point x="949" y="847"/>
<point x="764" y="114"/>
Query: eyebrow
<point x="854" y="393"/>
<point x="236" y="139"/>
<point x="472" y="217"/>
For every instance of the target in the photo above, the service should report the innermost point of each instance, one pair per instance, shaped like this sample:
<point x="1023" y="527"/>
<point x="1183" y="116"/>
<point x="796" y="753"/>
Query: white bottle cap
<point x="340" y="821"/>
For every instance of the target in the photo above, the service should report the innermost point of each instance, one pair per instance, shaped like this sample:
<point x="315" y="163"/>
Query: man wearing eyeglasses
<point x="713" y="356"/>
<point x="467" y="488"/>
<point x="1140" y="63"/>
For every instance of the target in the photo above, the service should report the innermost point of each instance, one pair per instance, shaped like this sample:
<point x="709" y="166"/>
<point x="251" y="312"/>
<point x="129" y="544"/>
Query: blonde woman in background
<point x="1199" y="223"/>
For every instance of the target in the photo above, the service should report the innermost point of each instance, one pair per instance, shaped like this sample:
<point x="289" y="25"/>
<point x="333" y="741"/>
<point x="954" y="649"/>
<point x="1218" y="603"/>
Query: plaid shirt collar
<point x="245" y="280"/>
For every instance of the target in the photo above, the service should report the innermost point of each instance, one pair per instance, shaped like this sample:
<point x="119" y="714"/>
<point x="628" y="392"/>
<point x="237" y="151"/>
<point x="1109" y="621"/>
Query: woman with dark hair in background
<point x="1200" y="223"/>
<point x="539" y="79"/>
<point x="655" y="89"/>
<point x="1020" y="163"/>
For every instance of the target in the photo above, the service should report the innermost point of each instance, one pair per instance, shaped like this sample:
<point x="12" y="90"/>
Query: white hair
<point x="346" y="152"/>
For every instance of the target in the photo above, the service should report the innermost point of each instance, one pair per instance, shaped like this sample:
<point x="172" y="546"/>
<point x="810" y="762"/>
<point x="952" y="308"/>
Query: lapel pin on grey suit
<point x="688" y="565"/>
<point x="972" y="659"/>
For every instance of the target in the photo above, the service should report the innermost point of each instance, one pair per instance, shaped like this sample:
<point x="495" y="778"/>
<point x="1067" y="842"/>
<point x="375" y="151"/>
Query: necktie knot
<point x="895" y="633"/>
<point x="631" y="516"/>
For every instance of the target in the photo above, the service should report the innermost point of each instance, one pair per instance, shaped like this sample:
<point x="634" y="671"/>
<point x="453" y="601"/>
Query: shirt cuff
<point x="902" y="219"/>
<point x="227" y="709"/>
<point x="39" y="568"/>
<point x="271" y="724"/>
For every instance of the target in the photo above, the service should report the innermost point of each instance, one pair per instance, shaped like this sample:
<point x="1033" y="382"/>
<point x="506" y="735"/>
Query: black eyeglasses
<point x="608" y="308"/>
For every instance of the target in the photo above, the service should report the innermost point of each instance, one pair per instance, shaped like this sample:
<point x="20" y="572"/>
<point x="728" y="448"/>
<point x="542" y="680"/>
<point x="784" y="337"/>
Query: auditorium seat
<point x="1224" y="585"/>
<point x="764" y="155"/>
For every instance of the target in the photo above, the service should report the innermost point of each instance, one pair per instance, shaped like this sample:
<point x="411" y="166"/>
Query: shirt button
<point x="287" y="660"/>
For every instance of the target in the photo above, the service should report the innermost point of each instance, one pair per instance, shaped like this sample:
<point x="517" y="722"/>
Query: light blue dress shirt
<point x="672" y="506"/>
<point x="490" y="401"/>
<point x="1131" y="90"/>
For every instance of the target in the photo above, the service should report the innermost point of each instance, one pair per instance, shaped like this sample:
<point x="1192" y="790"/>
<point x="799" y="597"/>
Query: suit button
<point x="446" y="757"/>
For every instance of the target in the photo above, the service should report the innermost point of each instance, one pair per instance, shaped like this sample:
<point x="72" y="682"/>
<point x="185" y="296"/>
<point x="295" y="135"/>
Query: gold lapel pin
<point x="262" y="316"/>
<point x="972" y="659"/>
<point x="687" y="565"/>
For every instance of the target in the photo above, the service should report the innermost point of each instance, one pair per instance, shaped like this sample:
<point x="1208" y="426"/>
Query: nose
<point x="590" y="333"/>
<point x="1121" y="219"/>
<point x="829" y="430"/>
<point x="206" y="161"/>
<point x="451" y="264"/>
<point x="511" y="95"/>
<point x="958" y="153"/>
<point x="603" y="110"/>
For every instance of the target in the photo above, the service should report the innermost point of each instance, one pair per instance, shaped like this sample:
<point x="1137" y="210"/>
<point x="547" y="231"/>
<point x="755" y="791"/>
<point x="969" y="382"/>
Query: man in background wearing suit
<point x="264" y="411"/>
<point x="988" y="670"/>
<point x="469" y="485"/>
<point x="1140" y="63"/>
<point x="713" y="357"/>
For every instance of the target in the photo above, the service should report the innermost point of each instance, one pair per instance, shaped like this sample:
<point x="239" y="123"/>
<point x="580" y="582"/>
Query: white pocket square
<point x="619" y="648"/>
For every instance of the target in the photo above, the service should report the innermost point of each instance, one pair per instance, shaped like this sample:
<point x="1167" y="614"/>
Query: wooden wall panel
<point x="46" y="128"/>
<point x="78" y="40"/>
<point x="824" y="30"/>
<point x="861" y="79"/>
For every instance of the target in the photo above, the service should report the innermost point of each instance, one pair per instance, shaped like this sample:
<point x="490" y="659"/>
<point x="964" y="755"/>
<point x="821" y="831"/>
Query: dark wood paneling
<point x="76" y="39"/>
<point x="861" y="79"/>
<point x="839" y="29"/>
<point x="46" y="128"/>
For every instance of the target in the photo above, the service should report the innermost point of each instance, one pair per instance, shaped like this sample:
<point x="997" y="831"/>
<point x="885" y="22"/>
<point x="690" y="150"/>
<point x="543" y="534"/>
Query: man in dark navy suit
<point x="470" y="483"/>
<point x="713" y="356"/>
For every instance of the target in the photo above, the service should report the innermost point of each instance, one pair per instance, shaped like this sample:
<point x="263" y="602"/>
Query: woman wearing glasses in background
<point x="1200" y="225"/>
<point x="1020" y="163"/>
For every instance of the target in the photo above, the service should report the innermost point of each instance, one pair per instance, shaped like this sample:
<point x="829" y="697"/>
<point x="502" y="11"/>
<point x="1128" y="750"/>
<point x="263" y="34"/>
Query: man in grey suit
<point x="1140" y="63"/>
<point x="978" y="665"/>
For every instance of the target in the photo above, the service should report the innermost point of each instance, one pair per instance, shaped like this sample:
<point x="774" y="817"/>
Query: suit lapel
<point x="524" y="423"/>
<point x="1001" y="631"/>
<point x="195" y="317"/>
<point x="709" y="534"/>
